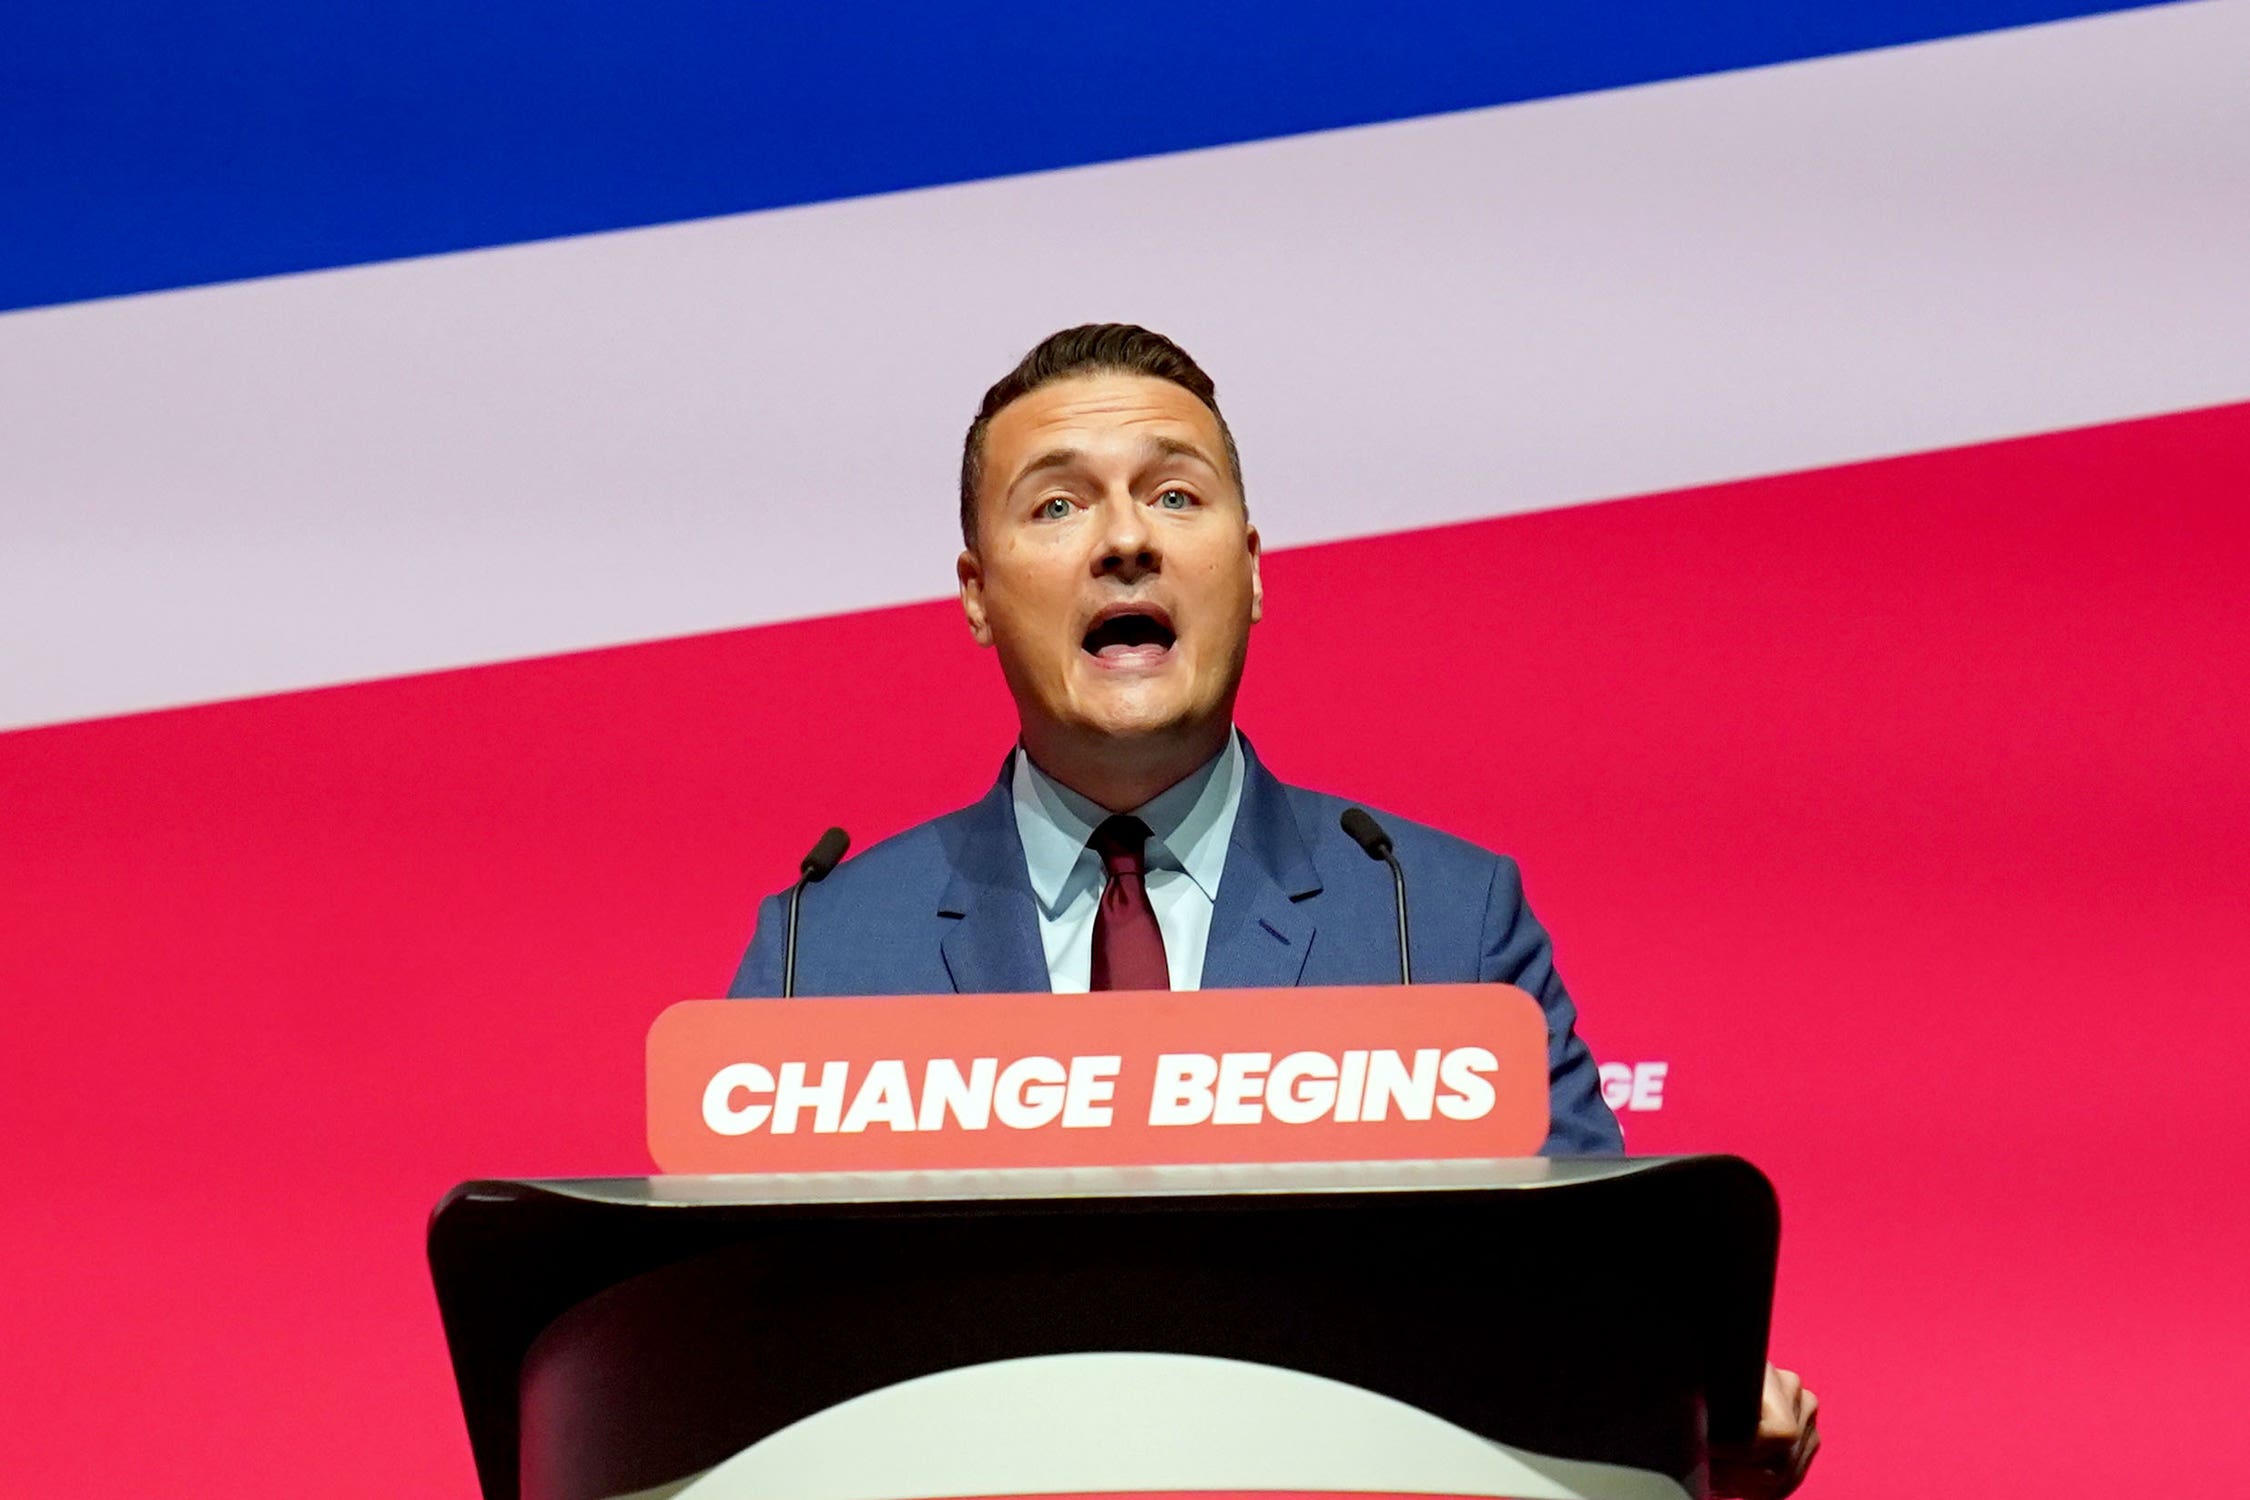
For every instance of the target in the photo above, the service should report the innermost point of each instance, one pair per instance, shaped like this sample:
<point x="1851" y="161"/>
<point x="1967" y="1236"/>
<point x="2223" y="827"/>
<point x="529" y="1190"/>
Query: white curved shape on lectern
<point x="1076" y="1424"/>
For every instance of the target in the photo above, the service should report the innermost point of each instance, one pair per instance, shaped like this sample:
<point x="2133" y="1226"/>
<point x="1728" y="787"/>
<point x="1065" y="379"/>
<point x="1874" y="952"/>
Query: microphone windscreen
<point x="825" y="854"/>
<point x="1366" y="832"/>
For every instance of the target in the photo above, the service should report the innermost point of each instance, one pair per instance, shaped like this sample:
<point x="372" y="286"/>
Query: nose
<point x="1127" y="542"/>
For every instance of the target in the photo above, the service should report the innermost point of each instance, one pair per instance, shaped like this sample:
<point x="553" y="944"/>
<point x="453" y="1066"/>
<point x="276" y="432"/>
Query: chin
<point x="1128" y="726"/>
<point x="1142" y="723"/>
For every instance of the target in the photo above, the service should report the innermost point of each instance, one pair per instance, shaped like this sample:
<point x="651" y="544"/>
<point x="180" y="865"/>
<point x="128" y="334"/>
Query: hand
<point x="1773" y="1463"/>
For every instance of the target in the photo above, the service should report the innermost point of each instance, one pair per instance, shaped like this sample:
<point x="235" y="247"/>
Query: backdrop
<point x="477" y="502"/>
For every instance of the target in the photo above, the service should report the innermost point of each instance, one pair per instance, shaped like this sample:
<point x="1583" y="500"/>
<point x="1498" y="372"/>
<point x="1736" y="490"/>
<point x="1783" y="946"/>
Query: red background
<point x="1901" y="808"/>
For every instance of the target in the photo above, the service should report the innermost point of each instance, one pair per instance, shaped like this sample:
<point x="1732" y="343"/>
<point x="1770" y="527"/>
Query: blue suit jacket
<point x="947" y="907"/>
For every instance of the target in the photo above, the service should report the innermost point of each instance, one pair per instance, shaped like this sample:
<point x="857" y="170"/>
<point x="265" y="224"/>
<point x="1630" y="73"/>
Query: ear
<point x="1257" y="585"/>
<point x="969" y="569"/>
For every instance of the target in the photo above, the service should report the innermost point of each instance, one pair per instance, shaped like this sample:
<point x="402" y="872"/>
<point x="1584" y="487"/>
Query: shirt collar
<point x="1189" y="825"/>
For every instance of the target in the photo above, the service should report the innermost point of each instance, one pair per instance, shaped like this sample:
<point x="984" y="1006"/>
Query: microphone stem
<point x="789" y="947"/>
<point x="1398" y="883"/>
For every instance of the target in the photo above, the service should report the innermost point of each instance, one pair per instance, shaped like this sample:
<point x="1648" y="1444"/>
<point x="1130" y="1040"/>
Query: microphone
<point x="1369" y="835"/>
<point x="812" y="868"/>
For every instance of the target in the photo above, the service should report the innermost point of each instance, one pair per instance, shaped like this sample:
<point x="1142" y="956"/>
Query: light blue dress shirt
<point x="1189" y="826"/>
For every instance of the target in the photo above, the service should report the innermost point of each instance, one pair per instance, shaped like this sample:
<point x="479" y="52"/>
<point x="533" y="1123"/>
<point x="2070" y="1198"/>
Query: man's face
<point x="1116" y="569"/>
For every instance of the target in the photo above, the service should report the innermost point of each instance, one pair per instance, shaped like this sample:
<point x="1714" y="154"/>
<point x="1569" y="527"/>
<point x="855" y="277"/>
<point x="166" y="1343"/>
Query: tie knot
<point x="1122" y="842"/>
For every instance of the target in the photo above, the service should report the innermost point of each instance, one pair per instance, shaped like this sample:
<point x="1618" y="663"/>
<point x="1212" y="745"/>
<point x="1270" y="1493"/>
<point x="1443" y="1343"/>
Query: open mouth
<point x="1128" y="633"/>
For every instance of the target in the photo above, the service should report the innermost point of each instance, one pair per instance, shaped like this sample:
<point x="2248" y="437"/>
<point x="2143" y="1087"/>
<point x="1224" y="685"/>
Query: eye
<point x="1053" y="508"/>
<point x="1175" y="499"/>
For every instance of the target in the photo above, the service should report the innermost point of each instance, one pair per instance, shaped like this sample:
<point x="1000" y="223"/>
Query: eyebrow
<point x="1172" y="447"/>
<point x="1071" y="458"/>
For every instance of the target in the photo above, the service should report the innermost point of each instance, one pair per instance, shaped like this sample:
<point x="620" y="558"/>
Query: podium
<point x="1347" y="1327"/>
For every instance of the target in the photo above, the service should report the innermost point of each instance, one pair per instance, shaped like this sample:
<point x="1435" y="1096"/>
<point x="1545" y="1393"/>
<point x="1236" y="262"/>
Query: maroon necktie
<point x="1128" y="945"/>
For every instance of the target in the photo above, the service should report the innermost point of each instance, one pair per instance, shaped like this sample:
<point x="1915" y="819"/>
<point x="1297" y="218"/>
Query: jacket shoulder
<point x="911" y="867"/>
<point x="1319" y="815"/>
<point x="863" y="927"/>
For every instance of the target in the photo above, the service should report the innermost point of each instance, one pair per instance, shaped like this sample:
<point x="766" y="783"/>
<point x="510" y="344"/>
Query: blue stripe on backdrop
<point x="146" y="145"/>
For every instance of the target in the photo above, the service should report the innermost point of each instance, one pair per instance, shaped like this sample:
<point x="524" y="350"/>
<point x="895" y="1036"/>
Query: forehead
<point x="1106" y="414"/>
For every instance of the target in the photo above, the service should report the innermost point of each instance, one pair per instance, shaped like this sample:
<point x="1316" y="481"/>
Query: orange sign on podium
<point x="1365" y="1073"/>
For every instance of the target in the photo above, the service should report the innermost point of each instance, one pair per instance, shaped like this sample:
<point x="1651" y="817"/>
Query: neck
<point x="1119" y="774"/>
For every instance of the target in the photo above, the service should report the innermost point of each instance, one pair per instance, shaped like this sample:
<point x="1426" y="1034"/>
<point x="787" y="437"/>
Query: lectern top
<point x="1022" y="1184"/>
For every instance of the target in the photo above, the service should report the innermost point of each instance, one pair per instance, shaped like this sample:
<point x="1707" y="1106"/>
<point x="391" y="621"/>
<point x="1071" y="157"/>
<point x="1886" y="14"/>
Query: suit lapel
<point x="992" y="946"/>
<point x="1260" y="933"/>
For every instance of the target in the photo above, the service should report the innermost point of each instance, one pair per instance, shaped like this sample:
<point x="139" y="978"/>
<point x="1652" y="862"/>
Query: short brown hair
<point x="1089" y="349"/>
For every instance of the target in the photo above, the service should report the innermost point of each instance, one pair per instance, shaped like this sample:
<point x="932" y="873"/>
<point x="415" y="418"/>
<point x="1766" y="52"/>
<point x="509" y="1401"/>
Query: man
<point x="1134" y="840"/>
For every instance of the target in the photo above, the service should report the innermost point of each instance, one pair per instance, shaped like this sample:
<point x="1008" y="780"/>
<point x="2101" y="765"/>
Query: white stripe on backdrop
<point x="331" y="477"/>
